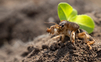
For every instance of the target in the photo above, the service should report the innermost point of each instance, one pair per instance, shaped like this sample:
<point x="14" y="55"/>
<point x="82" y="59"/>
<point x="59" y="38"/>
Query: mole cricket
<point x="70" y="29"/>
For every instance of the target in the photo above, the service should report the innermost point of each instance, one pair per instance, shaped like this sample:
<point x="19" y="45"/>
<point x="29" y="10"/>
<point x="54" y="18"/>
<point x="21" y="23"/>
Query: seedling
<point x="70" y="24"/>
<point x="66" y="12"/>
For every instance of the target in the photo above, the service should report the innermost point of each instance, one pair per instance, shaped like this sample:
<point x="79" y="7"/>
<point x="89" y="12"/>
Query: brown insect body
<point x="70" y="29"/>
<point x="70" y="25"/>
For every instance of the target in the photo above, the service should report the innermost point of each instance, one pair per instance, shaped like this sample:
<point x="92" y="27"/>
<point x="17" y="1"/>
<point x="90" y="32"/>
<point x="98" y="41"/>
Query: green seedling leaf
<point x="72" y="15"/>
<point x="64" y="10"/>
<point x="85" y="22"/>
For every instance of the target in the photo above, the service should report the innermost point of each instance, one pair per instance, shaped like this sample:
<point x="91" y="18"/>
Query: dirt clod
<point x="67" y="52"/>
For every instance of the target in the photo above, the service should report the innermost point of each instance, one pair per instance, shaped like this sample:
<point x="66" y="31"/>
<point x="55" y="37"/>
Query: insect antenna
<point x="51" y="22"/>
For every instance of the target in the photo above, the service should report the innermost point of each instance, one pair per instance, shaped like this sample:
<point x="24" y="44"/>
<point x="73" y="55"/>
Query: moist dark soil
<point x="56" y="51"/>
<point x="23" y="36"/>
<point x="47" y="50"/>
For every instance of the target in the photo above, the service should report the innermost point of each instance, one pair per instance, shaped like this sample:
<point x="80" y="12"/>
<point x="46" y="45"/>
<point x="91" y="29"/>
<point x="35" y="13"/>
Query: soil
<point x="23" y="36"/>
<point x="56" y="51"/>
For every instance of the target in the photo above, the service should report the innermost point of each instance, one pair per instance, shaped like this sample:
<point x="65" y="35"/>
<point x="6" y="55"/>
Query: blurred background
<point x="21" y="21"/>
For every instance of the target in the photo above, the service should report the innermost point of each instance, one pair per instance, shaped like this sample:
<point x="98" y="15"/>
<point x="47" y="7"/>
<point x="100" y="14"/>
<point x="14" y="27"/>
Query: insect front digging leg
<point x="62" y="36"/>
<point x="56" y="37"/>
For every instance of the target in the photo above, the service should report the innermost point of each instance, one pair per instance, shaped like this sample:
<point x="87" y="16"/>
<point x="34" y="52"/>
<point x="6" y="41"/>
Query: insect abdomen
<point x="73" y="26"/>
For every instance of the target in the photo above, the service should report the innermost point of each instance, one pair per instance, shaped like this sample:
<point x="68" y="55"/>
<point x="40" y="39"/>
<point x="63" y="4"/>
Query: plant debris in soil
<point x="62" y="52"/>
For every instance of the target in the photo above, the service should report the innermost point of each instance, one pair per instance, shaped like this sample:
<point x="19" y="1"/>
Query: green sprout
<point x="66" y="12"/>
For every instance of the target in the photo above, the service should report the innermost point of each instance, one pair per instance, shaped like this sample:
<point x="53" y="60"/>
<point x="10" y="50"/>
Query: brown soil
<point x="48" y="50"/>
<point x="23" y="35"/>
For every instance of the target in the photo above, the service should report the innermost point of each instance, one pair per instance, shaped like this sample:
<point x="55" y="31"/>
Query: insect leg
<point x="86" y="37"/>
<point x="72" y="37"/>
<point x="63" y="37"/>
<point x="59" y="36"/>
<point x="82" y="35"/>
<point x="90" y="42"/>
<point x="56" y="37"/>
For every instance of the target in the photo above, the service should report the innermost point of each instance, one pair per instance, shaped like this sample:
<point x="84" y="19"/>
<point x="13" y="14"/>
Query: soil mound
<point x="48" y="50"/>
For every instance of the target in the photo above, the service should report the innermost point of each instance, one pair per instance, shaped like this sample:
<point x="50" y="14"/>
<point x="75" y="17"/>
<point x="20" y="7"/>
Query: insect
<point x="70" y="29"/>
